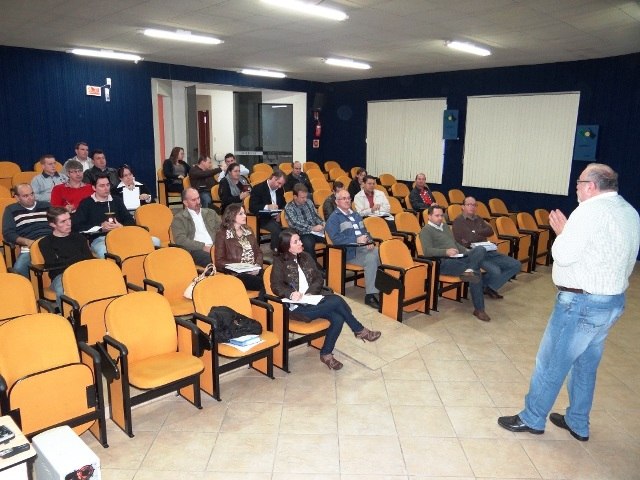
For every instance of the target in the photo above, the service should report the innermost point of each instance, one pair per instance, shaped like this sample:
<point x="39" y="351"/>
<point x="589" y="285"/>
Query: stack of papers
<point x="306" y="299"/>
<point x="488" y="246"/>
<point x="245" y="340"/>
<point x="242" y="267"/>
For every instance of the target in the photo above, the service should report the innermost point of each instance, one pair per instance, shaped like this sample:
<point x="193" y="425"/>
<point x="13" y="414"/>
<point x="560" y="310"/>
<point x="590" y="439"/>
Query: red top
<point x="369" y="197"/>
<point x="62" y="195"/>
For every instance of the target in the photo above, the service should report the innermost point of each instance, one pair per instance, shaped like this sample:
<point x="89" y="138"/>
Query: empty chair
<point x="408" y="224"/>
<point x="379" y="229"/>
<point x="542" y="217"/>
<point x="319" y="196"/>
<point x="412" y="289"/>
<point x="286" y="167"/>
<point x="400" y="191"/>
<point x="16" y="297"/>
<point x="169" y="271"/>
<point x="155" y="353"/>
<point x="291" y="332"/>
<point x="48" y="379"/>
<point x="499" y="209"/>
<point x="263" y="167"/>
<point x="453" y="212"/>
<point x="315" y="173"/>
<point x="309" y="165"/>
<point x="334" y="173"/>
<point x="228" y="291"/>
<point x="157" y="219"/>
<point x="89" y="287"/>
<point x="440" y="199"/>
<point x="7" y="171"/>
<point x="319" y="183"/>
<point x="23" y="177"/>
<point x="521" y="243"/>
<point x="329" y="164"/>
<point x="386" y="180"/>
<point x="128" y="247"/>
<point x="541" y="237"/>
<point x="456" y="196"/>
<point x="259" y="176"/>
<point x="395" y="206"/>
<point x="5" y="192"/>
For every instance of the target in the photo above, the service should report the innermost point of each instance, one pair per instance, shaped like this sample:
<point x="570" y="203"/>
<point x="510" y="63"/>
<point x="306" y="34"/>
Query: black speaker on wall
<point x="319" y="100"/>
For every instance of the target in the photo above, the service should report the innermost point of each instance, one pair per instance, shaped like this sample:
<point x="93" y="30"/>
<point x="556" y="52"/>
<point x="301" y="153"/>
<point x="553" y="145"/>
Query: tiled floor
<point x="420" y="403"/>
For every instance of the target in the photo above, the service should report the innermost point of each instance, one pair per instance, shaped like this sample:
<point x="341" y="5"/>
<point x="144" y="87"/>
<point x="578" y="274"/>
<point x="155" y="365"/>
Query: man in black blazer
<point x="267" y="197"/>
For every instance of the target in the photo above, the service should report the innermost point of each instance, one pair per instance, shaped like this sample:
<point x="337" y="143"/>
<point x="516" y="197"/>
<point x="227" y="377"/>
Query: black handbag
<point x="228" y="324"/>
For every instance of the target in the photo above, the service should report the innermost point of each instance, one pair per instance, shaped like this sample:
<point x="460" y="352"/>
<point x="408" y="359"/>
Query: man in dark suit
<point x="266" y="199"/>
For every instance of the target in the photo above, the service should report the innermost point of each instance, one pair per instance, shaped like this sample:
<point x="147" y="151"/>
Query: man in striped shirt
<point x="23" y="223"/>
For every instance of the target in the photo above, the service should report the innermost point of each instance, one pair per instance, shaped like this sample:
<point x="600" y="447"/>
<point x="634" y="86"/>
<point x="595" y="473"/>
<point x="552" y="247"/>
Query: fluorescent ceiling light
<point x="340" y="62"/>
<point x="106" y="54"/>
<point x="262" y="73"/>
<point x="182" y="36"/>
<point x="468" y="48"/>
<point x="309" y="8"/>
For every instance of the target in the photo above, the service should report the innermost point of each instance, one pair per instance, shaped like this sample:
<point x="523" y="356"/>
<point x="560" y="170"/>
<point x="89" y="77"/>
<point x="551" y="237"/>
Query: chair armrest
<point x="121" y="347"/>
<point x="46" y="305"/>
<point x="196" y="348"/>
<point x="211" y="336"/>
<point x="424" y="260"/>
<point x="134" y="287"/>
<point x="395" y="268"/>
<point x="110" y="368"/>
<point x="74" y="316"/>
<point x="152" y="283"/>
<point x="530" y="232"/>
<point x="95" y="358"/>
<point x="268" y="308"/>
<point x="114" y="257"/>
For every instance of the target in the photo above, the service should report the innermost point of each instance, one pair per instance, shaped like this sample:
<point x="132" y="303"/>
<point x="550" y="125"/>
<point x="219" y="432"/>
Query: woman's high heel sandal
<point x="368" y="335"/>
<point x="330" y="362"/>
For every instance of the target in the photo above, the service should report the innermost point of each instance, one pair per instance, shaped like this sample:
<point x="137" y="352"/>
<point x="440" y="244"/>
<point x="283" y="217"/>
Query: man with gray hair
<point x="594" y="254"/>
<point x="43" y="184"/>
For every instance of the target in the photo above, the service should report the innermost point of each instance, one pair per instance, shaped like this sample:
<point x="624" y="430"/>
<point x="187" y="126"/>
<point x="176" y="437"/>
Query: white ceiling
<point x="397" y="37"/>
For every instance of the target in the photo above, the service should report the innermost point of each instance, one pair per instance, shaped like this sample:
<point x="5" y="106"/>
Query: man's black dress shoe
<point x="514" y="424"/>
<point x="558" y="421"/>
<point x="491" y="293"/>
<point x="372" y="301"/>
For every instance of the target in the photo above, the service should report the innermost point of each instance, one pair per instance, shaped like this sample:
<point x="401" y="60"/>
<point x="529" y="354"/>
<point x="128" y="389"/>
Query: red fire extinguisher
<point x="317" y="132"/>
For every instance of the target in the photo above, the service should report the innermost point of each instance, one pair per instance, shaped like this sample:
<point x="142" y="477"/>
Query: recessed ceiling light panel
<point x="181" y="36"/>
<point x="106" y="54"/>
<point x="343" y="62"/>
<point x="468" y="48"/>
<point x="262" y="73"/>
<point x="309" y="8"/>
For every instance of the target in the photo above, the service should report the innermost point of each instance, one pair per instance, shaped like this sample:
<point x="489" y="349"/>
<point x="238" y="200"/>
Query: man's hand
<point x="557" y="220"/>
<point x="376" y="207"/>
<point x="273" y="206"/>
<point x="244" y="195"/>
<point x="452" y="251"/>
<point x="295" y="296"/>
<point x="362" y="239"/>
<point x="107" y="226"/>
<point x="206" y="248"/>
<point x="317" y="228"/>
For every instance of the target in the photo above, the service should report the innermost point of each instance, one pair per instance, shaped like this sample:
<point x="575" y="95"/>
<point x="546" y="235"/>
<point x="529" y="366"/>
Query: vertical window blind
<point x="404" y="137"/>
<point x="520" y="142"/>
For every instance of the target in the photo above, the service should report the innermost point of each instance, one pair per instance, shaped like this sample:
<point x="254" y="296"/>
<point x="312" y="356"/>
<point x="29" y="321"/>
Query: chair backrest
<point x="345" y="179"/>
<point x="396" y="206"/>
<point x="329" y="164"/>
<point x="157" y="218"/>
<point x="143" y="321"/>
<point x="5" y="192"/>
<point x="440" y="199"/>
<point x="419" y="248"/>
<point x="267" y="280"/>
<point x="215" y="193"/>
<point x="354" y="171"/>
<point x="496" y="205"/>
<point x="387" y="179"/>
<point x="23" y="177"/>
<point x="334" y="173"/>
<point x="258" y="177"/>
<point x="542" y="216"/>
<point x="319" y="196"/>
<point x="131" y="244"/>
<point x="320" y="184"/>
<point x="382" y="189"/>
<point x="37" y="167"/>
<point x="315" y="173"/>
<point x="526" y="221"/>
<point x="309" y="165"/>
<point x="17" y="297"/>
<point x="456" y="196"/>
<point x="7" y="171"/>
<point x="221" y="290"/>
<point x="35" y="343"/>
<point x="93" y="284"/>
<point x="173" y="267"/>
<point x="454" y="211"/>
<point x="395" y="252"/>
<point x="378" y="228"/>
<point x="285" y="167"/>
<point x="400" y="190"/>
<point x="482" y="210"/>
<point x="407" y="222"/>
<point x="407" y="202"/>
<point x="288" y="197"/>
<point x="4" y="203"/>
<point x="263" y="167"/>
<point x="506" y="226"/>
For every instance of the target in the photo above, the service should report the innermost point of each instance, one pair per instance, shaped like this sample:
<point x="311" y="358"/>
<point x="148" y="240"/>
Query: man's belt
<point x="572" y="290"/>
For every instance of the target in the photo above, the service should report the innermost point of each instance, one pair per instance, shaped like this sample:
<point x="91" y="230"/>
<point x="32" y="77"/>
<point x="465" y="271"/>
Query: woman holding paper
<point x="294" y="274"/>
<point x="236" y="244"/>
<point x="133" y="193"/>
<point x="233" y="188"/>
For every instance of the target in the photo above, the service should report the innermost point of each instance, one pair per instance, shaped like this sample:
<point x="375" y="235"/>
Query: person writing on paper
<point x="294" y="274"/>
<point x="370" y="200"/>
<point x="236" y="243"/>
<point x="469" y="228"/>
<point x="132" y="192"/>
<point x="303" y="217"/>
<point x="266" y="197"/>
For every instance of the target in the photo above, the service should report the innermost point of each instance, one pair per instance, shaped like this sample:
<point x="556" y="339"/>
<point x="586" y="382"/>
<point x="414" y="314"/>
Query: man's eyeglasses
<point x="343" y="198"/>
<point x="583" y="181"/>
<point x="470" y="204"/>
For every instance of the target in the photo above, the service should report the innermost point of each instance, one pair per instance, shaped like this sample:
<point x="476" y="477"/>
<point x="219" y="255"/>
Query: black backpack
<point x="228" y="324"/>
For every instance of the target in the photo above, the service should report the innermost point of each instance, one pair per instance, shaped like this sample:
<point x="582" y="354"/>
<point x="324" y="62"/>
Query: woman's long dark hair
<point x="284" y="243"/>
<point x="229" y="215"/>
<point x="174" y="154"/>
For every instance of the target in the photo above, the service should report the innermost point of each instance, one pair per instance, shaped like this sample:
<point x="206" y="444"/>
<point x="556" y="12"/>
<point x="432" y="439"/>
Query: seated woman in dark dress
<point x="294" y="273"/>
<point x="137" y="193"/>
<point x="236" y="243"/>
<point x="357" y="183"/>
<point x="175" y="169"/>
<point x="233" y="188"/>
